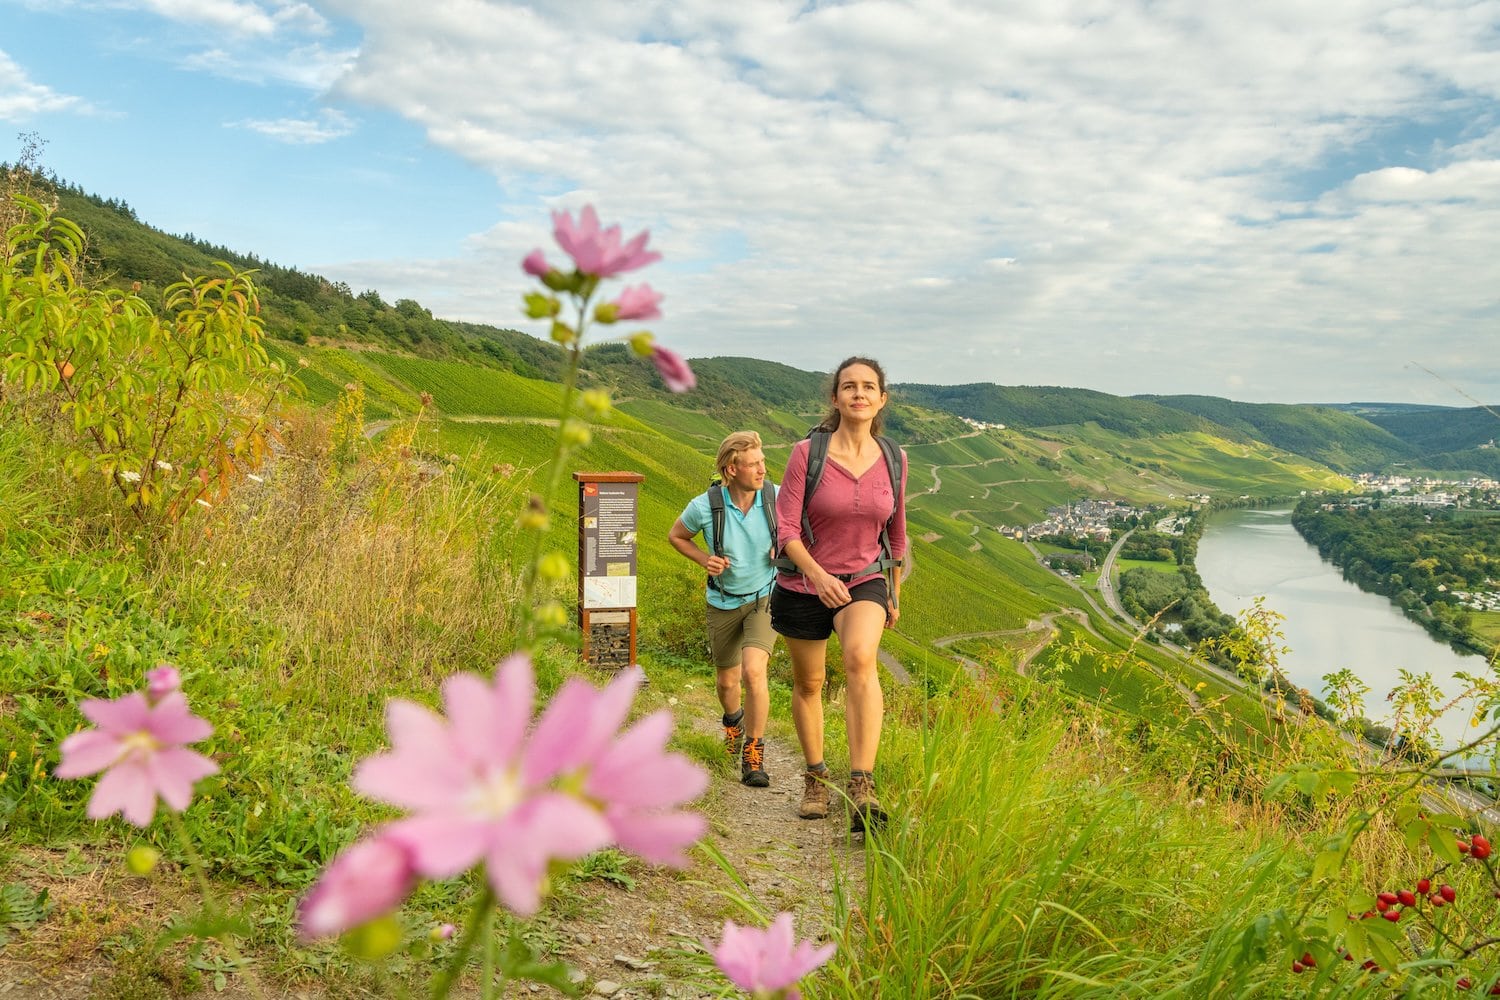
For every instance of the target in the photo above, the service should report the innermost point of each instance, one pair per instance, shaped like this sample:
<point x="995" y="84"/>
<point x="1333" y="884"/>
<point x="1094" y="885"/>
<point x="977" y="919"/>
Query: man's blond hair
<point x="732" y="447"/>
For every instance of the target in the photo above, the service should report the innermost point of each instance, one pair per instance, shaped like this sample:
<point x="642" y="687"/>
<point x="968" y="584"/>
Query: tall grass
<point x="1029" y="857"/>
<point x="388" y="572"/>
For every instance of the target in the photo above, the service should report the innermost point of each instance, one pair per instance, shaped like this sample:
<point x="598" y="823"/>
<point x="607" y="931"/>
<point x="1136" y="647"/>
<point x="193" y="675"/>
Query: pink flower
<point x="366" y="880"/>
<point x="481" y="788"/>
<point x="162" y="681"/>
<point x="139" y="747"/>
<point x="766" y="962"/>
<point x="638" y="302"/>
<point x="536" y="264"/>
<point x="598" y="252"/>
<point x="673" y="369"/>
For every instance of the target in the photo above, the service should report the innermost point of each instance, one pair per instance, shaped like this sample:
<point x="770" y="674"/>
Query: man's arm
<point x="682" y="540"/>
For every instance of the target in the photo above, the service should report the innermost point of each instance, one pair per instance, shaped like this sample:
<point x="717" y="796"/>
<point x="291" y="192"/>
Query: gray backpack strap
<point x="716" y="515"/>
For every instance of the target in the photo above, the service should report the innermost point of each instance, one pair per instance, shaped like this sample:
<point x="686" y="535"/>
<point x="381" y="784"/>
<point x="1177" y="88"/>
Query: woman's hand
<point x="892" y="614"/>
<point x="832" y="591"/>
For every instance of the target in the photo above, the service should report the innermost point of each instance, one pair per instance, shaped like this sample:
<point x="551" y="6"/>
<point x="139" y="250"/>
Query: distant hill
<point x="1053" y="406"/>
<point x="1338" y="439"/>
<point x="1441" y="429"/>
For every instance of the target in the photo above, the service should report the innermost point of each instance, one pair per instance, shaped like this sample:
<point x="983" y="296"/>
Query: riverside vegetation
<point x="1084" y="829"/>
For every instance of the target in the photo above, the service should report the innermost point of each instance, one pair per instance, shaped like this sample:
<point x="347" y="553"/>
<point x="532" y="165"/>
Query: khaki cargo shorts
<point x="731" y="631"/>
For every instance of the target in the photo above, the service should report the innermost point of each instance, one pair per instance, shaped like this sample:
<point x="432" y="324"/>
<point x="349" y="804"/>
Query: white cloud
<point x="237" y="16"/>
<point x="21" y="99"/>
<point x="300" y="131"/>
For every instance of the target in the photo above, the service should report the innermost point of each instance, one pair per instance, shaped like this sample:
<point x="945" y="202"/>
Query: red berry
<point x="1392" y="915"/>
<point x="1407" y="897"/>
<point x="1481" y="849"/>
<point x="1308" y="960"/>
<point x="1369" y="964"/>
<point x="1387" y="898"/>
<point x="1382" y="905"/>
<point x="1424" y="885"/>
<point x="1436" y="900"/>
<point x="1495" y="990"/>
<point x="1446" y="891"/>
<point x="1463" y="847"/>
<point x="1297" y="966"/>
<point x="1464" y="982"/>
<point x="1367" y="915"/>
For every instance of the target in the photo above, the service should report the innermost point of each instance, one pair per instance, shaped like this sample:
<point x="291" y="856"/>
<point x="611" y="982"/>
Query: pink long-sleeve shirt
<point x="846" y="515"/>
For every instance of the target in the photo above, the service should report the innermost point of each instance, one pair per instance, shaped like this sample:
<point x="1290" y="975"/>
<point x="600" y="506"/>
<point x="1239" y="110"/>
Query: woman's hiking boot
<point x="814" y="795"/>
<point x="864" y="808"/>
<point x="753" y="764"/>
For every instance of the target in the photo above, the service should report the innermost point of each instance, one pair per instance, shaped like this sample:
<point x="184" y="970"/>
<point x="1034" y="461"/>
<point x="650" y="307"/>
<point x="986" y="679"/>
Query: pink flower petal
<point x="87" y="753"/>
<point x="123" y="715"/>
<point x="441" y="845"/>
<point x="674" y="371"/>
<point x="174" y="772"/>
<point x="635" y="771"/>
<point x="657" y="837"/>
<point x="126" y="789"/>
<point x="411" y="780"/>
<point x="365" y="881"/>
<point x="536" y="264"/>
<point x="171" y="721"/>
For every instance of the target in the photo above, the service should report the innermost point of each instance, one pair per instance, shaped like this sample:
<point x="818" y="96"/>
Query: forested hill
<point x="305" y="308"/>
<point x="1338" y="439"/>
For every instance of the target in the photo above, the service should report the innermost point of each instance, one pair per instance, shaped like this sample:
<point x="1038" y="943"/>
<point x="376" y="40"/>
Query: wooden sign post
<point x="607" y="528"/>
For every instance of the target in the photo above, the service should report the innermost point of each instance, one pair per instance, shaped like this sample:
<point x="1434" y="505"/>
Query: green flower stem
<point x="200" y="873"/>
<point x="481" y="918"/>
<point x="487" y="980"/>
<point x="559" y="451"/>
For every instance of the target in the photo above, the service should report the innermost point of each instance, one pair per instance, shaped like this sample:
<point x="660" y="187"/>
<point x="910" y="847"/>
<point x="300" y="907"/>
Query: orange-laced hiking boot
<point x="753" y="764"/>
<point x="734" y="741"/>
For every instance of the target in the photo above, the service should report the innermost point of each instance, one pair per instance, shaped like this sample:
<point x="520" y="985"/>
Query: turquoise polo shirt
<point x="747" y="543"/>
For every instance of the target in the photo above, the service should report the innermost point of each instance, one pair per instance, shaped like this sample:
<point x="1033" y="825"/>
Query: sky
<point x="1279" y="201"/>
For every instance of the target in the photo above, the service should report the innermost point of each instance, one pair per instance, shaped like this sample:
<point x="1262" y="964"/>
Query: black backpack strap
<point x="716" y="516"/>
<point x="817" y="458"/>
<point x="892" y="453"/>
<point x="768" y="505"/>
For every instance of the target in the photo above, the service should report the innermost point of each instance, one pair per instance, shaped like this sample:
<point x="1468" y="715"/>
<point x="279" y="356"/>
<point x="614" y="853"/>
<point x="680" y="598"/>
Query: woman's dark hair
<point x="831" y="420"/>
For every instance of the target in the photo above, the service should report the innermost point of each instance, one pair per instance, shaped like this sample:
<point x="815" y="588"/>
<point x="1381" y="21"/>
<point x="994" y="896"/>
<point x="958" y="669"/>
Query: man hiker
<point x="736" y="517"/>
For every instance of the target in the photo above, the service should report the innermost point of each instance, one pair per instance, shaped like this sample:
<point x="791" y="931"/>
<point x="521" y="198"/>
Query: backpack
<point x="716" y="515"/>
<point x="817" y="457"/>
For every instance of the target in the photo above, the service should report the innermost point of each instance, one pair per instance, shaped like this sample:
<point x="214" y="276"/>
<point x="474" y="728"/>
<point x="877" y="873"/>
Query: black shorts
<point x="804" y="616"/>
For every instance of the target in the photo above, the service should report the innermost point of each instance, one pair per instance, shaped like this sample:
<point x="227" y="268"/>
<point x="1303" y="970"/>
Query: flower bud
<point x="606" y="312"/>
<point x="575" y="434"/>
<point x="374" y="940"/>
<point x="642" y="344"/>
<point x="552" y="566"/>
<point x="551" y="615"/>
<point x="142" y="860"/>
<point x="595" y="402"/>
<point x="442" y="932"/>
<point x="540" y="306"/>
<point x="563" y="333"/>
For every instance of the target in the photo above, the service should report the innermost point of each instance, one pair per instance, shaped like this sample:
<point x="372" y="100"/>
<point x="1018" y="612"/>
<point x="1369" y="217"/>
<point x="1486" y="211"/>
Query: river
<point x="1330" y="623"/>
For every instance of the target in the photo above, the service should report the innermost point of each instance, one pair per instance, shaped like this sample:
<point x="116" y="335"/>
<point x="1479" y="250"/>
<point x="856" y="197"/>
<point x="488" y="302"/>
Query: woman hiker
<point x="836" y="550"/>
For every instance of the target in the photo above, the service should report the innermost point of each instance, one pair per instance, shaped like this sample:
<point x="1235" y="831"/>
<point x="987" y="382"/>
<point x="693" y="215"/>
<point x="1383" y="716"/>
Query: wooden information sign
<point x="607" y="536"/>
